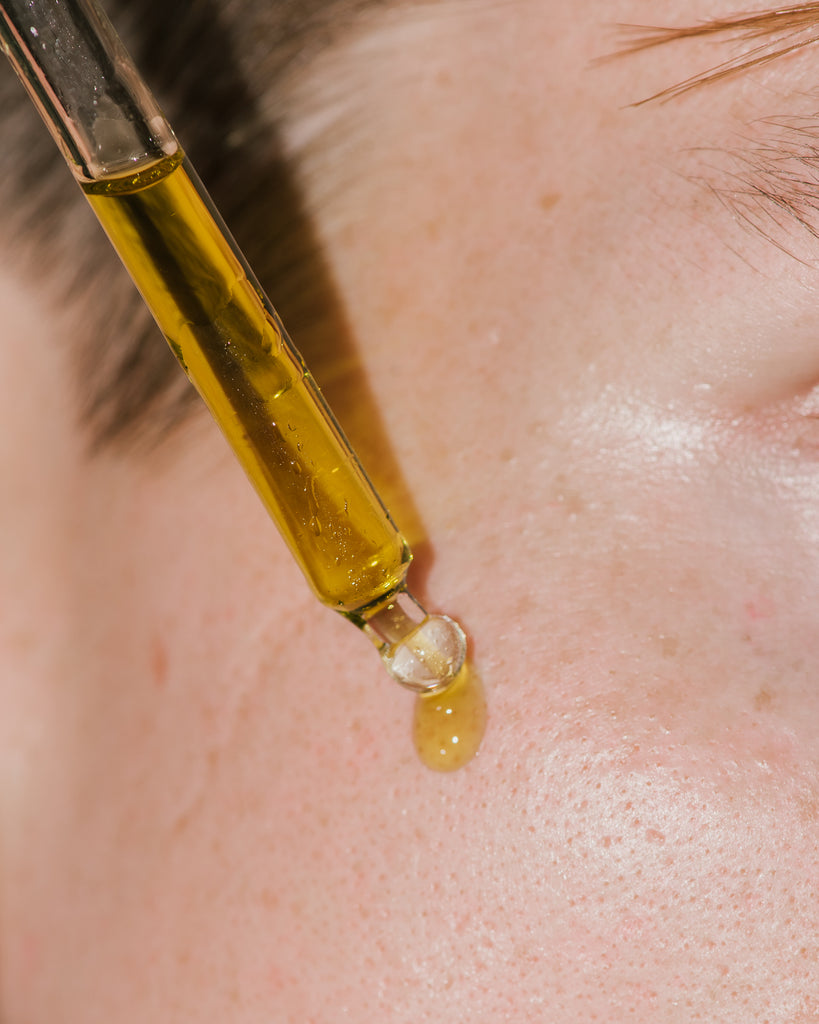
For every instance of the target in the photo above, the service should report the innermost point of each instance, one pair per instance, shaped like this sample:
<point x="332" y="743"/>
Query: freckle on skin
<point x="549" y="200"/>
<point x="762" y="700"/>
<point x="181" y="823"/>
<point x="159" y="664"/>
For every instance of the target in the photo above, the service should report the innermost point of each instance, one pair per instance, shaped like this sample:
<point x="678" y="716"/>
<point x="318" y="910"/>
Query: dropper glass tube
<point x="224" y="331"/>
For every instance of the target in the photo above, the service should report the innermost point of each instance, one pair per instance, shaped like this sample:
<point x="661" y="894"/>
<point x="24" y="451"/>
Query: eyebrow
<point x="771" y="34"/>
<point x="769" y="180"/>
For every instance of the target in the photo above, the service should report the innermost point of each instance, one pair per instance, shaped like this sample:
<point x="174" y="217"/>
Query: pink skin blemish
<point x="762" y="607"/>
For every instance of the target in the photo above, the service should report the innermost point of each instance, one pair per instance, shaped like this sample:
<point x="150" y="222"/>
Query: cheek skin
<point x="636" y="835"/>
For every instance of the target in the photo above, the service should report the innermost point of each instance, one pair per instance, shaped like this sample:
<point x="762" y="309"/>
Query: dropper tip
<point x="420" y="651"/>
<point x="429" y="658"/>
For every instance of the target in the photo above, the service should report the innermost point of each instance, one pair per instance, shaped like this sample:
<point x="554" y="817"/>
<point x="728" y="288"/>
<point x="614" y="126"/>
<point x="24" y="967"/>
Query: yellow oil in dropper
<point x="235" y="350"/>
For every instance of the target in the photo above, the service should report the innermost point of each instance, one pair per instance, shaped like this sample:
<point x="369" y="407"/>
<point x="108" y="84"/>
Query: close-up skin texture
<point x="579" y="351"/>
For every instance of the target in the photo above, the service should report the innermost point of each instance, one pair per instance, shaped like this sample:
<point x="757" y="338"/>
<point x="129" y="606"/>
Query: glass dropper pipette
<point x="224" y="331"/>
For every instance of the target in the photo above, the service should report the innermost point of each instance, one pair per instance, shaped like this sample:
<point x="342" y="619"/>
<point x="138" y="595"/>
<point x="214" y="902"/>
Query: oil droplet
<point x="448" y="726"/>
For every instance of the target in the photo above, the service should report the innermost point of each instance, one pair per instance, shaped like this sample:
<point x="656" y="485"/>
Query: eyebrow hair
<point x="770" y="179"/>
<point x="773" y="182"/>
<point x="771" y="34"/>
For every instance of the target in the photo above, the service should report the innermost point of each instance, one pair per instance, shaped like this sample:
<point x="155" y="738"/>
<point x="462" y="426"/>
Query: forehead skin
<point x="597" y="391"/>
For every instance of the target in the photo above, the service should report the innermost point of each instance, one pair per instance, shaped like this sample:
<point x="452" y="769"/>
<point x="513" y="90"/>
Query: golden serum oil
<point x="234" y="349"/>
<point x="448" y="726"/>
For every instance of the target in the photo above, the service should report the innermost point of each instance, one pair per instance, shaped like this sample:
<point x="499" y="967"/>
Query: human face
<point x="596" y="386"/>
